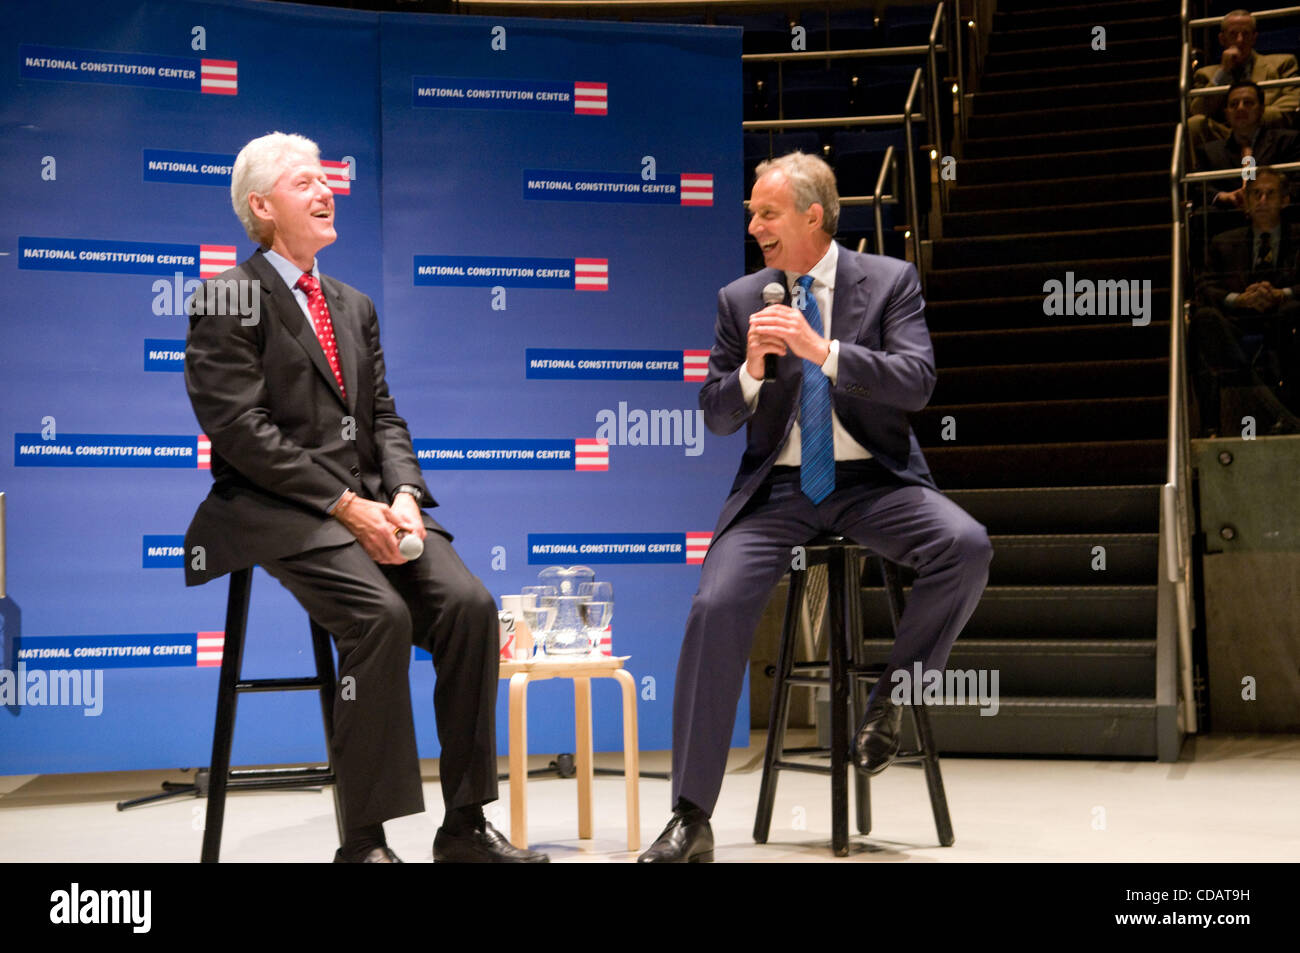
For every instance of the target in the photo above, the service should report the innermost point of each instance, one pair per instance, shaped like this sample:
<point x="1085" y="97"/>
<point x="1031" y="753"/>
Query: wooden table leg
<point x="519" y="760"/>
<point x="631" y="758"/>
<point x="582" y="721"/>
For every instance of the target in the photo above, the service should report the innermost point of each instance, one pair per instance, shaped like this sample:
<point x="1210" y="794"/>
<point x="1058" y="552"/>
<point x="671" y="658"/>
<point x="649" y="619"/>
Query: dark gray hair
<point x="811" y="180"/>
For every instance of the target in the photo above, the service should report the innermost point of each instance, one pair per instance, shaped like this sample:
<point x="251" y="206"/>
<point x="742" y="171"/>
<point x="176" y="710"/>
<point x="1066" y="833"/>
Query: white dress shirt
<point x="823" y="291"/>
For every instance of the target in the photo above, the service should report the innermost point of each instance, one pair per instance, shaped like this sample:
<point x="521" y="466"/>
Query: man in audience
<point x="1249" y="138"/>
<point x="1247" y="315"/>
<point x="1206" y="120"/>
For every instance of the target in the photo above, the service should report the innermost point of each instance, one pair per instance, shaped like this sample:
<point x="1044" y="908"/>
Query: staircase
<point x="1051" y="430"/>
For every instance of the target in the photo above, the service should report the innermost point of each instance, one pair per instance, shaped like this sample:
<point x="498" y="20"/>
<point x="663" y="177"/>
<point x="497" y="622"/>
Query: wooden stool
<point x="582" y="671"/>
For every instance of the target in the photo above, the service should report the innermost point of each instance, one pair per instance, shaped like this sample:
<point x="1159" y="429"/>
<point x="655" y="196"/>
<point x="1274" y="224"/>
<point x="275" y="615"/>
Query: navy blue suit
<point x="889" y="503"/>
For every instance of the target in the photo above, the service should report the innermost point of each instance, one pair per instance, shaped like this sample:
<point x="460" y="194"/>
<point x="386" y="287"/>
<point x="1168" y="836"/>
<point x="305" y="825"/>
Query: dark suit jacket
<point x="1280" y="103"/>
<point x="886" y="369"/>
<point x="1230" y="265"/>
<point x="1272" y="146"/>
<point x="282" y="450"/>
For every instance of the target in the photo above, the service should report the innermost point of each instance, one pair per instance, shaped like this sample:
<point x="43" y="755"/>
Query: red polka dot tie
<point x="320" y="319"/>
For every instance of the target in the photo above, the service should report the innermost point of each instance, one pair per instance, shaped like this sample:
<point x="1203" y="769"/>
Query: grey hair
<point x="811" y="180"/>
<point x="1240" y="13"/>
<point x="257" y="168"/>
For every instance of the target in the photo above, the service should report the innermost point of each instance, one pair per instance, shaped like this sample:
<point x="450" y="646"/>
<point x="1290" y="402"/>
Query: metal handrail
<point x="1183" y="68"/>
<point x="910" y="146"/>
<point x="1190" y="178"/>
<point x="887" y="52"/>
<point x="1202" y="91"/>
<point x="958" y="42"/>
<point x="626" y="6"/>
<point x="933" y="46"/>
<point x="882" y="119"/>
<point x="877" y="195"/>
<point x="1173" y="496"/>
<point x="1257" y="14"/>
<point x="933" y="126"/>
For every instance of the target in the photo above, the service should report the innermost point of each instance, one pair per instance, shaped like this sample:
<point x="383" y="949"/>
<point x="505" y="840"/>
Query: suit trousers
<point x="375" y="614"/>
<point x="906" y="523"/>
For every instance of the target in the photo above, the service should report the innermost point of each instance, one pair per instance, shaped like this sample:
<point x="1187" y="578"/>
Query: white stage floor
<point x="1230" y="798"/>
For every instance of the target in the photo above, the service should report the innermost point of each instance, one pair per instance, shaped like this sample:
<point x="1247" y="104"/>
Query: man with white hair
<point x="828" y="449"/>
<point x="1207" y="120"/>
<point x="315" y="480"/>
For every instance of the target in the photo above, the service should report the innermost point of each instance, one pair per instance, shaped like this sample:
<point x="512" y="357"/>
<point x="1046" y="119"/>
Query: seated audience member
<point x="1206" y="120"/>
<point x="1246" y="318"/>
<point x="1249" y="138"/>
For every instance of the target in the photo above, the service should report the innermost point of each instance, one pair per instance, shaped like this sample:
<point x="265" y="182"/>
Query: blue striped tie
<point x="817" y="468"/>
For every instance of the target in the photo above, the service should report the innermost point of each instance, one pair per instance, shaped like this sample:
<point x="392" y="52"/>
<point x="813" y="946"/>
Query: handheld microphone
<point x="409" y="545"/>
<point x="773" y="293"/>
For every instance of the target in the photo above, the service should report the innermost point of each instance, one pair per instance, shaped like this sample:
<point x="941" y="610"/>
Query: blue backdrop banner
<point x="543" y="212"/>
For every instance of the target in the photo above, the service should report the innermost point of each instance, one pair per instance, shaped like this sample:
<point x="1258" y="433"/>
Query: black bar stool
<point x="220" y="777"/>
<point x="850" y="681"/>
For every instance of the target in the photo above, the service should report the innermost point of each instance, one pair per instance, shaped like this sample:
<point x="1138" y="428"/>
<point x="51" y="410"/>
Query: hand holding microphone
<point x="408" y="544"/>
<point x="764" y="343"/>
<point x="384" y="532"/>
<point x="773" y="293"/>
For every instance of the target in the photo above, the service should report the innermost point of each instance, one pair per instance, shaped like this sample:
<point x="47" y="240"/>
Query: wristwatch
<point x="410" y="488"/>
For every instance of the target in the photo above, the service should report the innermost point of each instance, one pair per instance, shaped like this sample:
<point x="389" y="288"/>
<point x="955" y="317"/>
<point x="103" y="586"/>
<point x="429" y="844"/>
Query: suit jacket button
<point x="356" y="472"/>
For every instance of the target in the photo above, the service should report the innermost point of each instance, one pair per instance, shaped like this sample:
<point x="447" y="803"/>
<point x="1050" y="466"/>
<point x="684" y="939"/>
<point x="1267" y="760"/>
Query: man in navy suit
<point x="829" y="449"/>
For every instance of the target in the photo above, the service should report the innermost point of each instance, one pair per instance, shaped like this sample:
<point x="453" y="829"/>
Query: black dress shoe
<point x="876" y="744"/>
<point x="376" y="855"/>
<point x="486" y="846"/>
<point x="688" y="839"/>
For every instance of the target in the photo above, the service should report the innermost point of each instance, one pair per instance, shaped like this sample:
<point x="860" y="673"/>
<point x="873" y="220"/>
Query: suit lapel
<point x="852" y="297"/>
<point x="347" y="331"/>
<point x="287" y="311"/>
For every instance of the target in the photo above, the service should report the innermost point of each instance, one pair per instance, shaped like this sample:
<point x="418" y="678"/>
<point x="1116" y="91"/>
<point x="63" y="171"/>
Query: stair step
<point x="1054" y="668"/>
<point x="1057" y="76"/>
<point x="1081" y="34"/>
<point x="1067" y="464"/>
<point x="1082" y="54"/>
<point x="1048" y="345"/>
<point x="1043" y="421"/>
<point x="1031" y="277"/>
<point x="1119" y="612"/>
<point x="1067" y="559"/>
<point x="1065" y="191"/>
<point x="1070" y="140"/>
<point x="1071" y="13"/>
<point x="1111" y="93"/>
<point x="1048" y="727"/>
<point x="1020" y="170"/>
<point x="1145" y="377"/>
<point x="1054" y="509"/>
<point x="1108" y="122"/>
<point x="1013" y="311"/>
<point x="1129" y="213"/>
<point x="1129" y="559"/>
<point x="1092" y="244"/>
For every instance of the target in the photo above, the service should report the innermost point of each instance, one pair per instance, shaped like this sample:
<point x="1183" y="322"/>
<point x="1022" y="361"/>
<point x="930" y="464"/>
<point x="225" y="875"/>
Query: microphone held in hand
<point x="773" y="293"/>
<point x="409" y="545"/>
